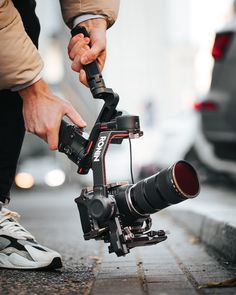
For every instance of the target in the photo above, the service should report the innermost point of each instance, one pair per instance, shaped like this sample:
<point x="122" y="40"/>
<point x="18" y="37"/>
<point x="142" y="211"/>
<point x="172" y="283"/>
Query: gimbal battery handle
<point x="93" y="74"/>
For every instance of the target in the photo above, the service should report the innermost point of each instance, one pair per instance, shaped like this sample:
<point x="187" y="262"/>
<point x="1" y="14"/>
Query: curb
<point x="216" y="234"/>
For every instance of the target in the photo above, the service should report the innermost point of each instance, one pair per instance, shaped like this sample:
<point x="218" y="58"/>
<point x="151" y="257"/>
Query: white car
<point x="215" y="143"/>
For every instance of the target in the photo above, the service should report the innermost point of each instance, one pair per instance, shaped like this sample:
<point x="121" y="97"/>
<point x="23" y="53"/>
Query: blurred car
<point x="40" y="167"/>
<point x="39" y="171"/>
<point x="215" y="143"/>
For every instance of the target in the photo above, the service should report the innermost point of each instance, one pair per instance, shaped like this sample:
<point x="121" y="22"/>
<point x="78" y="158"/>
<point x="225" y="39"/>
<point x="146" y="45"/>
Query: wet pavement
<point x="179" y="265"/>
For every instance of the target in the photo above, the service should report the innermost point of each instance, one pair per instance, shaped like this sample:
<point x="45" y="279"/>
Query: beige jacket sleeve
<point x="20" y="62"/>
<point x="74" y="8"/>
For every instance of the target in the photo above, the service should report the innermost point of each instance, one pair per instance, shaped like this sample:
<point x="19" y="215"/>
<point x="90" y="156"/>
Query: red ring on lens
<point x="185" y="179"/>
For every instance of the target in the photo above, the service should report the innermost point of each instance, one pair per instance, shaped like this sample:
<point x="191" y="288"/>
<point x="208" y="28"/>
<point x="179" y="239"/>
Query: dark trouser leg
<point x="11" y="136"/>
<point x="11" y="119"/>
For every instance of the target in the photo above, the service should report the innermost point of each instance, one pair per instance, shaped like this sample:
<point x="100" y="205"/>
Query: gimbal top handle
<point x="93" y="74"/>
<point x="97" y="86"/>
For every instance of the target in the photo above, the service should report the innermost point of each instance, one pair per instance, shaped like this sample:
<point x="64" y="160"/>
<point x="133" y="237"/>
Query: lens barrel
<point x="167" y="187"/>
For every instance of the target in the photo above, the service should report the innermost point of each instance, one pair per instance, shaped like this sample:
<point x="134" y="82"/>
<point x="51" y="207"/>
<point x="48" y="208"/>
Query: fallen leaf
<point x="194" y="240"/>
<point x="227" y="283"/>
<point x="96" y="259"/>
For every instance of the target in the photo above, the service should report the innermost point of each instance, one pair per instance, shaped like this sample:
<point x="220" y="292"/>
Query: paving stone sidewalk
<point x="179" y="265"/>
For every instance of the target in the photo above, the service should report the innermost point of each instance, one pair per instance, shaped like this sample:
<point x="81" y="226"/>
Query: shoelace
<point x="9" y="223"/>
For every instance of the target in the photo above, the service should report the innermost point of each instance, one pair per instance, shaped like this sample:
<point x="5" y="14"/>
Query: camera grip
<point x="93" y="74"/>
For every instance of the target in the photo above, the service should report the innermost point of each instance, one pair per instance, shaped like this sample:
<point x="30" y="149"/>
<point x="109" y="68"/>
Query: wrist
<point x="33" y="89"/>
<point x="95" y="23"/>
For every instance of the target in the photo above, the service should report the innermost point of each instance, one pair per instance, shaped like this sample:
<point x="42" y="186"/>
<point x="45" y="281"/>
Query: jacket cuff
<point x="84" y="17"/>
<point x="27" y="84"/>
<point x="74" y="8"/>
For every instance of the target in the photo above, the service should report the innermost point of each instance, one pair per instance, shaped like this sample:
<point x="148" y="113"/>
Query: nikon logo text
<point x="97" y="153"/>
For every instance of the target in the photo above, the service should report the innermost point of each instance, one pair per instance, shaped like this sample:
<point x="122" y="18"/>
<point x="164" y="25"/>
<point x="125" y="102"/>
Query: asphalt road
<point x="180" y="265"/>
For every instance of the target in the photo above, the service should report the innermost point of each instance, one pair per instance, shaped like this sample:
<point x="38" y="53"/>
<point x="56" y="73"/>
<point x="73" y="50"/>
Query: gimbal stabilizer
<point x="119" y="213"/>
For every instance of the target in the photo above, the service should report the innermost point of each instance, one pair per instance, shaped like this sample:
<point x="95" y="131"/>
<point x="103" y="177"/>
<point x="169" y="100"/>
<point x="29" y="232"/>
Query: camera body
<point x="104" y="219"/>
<point x="119" y="213"/>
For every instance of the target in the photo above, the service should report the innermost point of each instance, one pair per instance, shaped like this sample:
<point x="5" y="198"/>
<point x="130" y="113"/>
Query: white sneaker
<point x="19" y="249"/>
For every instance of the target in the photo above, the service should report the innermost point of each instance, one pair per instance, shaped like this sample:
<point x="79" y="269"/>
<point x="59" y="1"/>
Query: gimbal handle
<point x="107" y="113"/>
<point x="93" y="74"/>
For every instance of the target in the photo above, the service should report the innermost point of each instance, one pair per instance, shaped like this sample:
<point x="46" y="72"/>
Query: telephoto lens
<point x="167" y="187"/>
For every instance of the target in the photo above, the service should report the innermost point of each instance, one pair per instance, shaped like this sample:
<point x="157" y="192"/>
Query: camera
<point x="122" y="218"/>
<point x="119" y="213"/>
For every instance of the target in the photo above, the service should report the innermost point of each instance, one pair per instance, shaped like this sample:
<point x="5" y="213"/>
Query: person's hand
<point x="43" y="112"/>
<point x="79" y="51"/>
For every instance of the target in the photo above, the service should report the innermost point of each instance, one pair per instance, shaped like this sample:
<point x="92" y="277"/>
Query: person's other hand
<point x="79" y="51"/>
<point x="43" y="112"/>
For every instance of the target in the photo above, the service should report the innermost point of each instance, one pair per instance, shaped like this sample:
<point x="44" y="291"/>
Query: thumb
<point x="83" y="78"/>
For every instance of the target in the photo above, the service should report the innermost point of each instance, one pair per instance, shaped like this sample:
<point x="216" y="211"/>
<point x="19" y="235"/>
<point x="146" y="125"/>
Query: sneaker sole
<point x="55" y="263"/>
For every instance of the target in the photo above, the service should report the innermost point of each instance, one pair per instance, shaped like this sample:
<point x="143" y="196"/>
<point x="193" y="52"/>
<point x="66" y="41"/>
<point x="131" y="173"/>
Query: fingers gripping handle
<point x="93" y="74"/>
